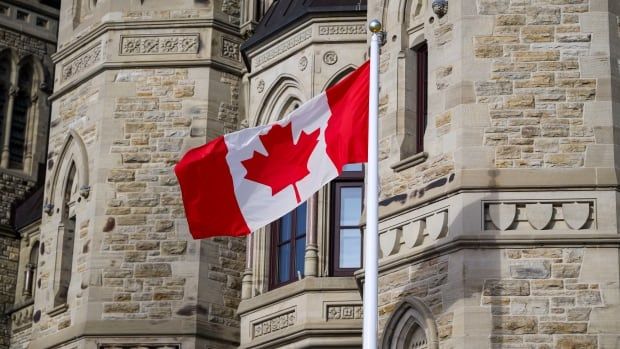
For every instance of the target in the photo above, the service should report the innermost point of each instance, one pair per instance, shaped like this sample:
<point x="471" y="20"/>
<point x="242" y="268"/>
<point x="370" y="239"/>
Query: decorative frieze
<point x="284" y="46"/>
<point x="275" y="324"/>
<point x="412" y="233"/>
<point x="574" y="215"/>
<point x="344" y="311"/>
<point x="342" y="29"/>
<point x="82" y="62"/>
<point x="159" y="44"/>
<point x="230" y="49"/>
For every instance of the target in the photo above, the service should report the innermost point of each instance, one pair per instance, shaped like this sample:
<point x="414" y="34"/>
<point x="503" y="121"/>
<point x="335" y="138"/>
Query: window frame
<point x="347" y="179"/>
<point x="275" y="243"/>
<point x="421" y="55"/>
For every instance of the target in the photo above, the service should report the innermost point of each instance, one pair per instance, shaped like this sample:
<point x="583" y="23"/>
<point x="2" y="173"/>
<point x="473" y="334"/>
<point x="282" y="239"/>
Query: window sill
<point x="410" y="162"/>
<point x="58" y="310"/>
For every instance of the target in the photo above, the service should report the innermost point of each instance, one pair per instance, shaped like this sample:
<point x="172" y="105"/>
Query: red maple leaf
<point x="286" y="162"/>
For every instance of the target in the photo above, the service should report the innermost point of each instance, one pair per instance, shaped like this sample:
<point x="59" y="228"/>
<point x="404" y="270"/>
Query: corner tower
<point x="136" y="84"/>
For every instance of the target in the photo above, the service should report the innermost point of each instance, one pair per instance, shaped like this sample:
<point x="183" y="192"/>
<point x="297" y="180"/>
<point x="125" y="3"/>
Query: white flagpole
<point x="371" y="238"/>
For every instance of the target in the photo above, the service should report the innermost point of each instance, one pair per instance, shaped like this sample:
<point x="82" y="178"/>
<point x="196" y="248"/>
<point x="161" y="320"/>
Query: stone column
<point x="246" y="281"/>
<point x="4" y="157"/>
<point x="31" y="123"/>
<point x="311" y="256"/>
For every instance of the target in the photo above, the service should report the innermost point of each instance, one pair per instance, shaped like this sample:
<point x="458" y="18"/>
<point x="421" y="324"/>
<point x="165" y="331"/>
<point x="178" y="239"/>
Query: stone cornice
<point x="75" y="45"/>
<point x="206" y="63"/>
<point x="35" y="7"/>
<point x="307" y="285"/>
<point x="477" y="241"/>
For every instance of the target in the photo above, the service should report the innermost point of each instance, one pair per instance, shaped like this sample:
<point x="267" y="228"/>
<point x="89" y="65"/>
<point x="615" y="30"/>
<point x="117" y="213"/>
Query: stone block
<point x="506" y="288"/>
<point x="520" y="101"/>
<point x="578" y="314"/>
<point x="531" y="269"/>
<point x="536" y="56"/>
<point x="490" y="88"/>
<point x="576" y="342"/>
<point x="515" y="324"/>
<point x="562" y="327"/>
<point x="543" y="15"/>
<point x="589" y="298"/>
<point x="529" y="306"/>
<point x="561" y="271"/>
<point x="148" y="270"/>
<point x="121" y="175"/>
<point x="537" y="34"/>
<point x="173" y="247"/>
<point x="121" y="307"/>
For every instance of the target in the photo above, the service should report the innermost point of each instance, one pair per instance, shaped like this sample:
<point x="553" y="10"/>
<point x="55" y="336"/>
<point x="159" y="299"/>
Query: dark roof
<point x="29" y="211"/>
<point x="284" y="14"/>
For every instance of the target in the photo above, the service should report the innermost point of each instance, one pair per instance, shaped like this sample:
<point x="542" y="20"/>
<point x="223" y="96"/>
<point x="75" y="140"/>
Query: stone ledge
<point x="58" y="310"/>
<point x="308" y="284"/>
<point x="409" y="162"/>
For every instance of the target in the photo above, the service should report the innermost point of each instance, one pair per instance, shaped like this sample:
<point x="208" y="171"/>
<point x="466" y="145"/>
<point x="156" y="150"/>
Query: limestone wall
<point x="9" y="256"/>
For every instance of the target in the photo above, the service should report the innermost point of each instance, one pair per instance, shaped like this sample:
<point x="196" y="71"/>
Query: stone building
<point x="498" y="215"/>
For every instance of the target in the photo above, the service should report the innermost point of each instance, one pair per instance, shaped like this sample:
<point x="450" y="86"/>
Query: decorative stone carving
<point x="48" y="209"/>
<point x="389" y="241"/>
<point x="284" y="46"/>
<point x="440" y="7"/>
<point x="539" y="215"/>
<point x="261" y="86"/>
<point x="82" y="62"/>
<point x="345" y="312"/>
<point x="303" y="63"/>
<point x="437" y="225"/>
<point x="342" y="29"/>
<point x="502" y="215"/>
<point x="274" y="324"/>
<point x="85" y="191"/>
<point x="413" y="233"/>
<point x="576" y="214"/>
<point x="159" y="44"/>
<point x="230" y="49"/>
<point x="330" y="58"/>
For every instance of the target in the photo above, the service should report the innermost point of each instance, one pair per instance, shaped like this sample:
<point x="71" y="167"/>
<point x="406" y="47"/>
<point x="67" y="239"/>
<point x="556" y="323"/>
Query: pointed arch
<point x="282" y="91"/>
<point x="412" y="325"/>
<point x="72" y="151"/>
<point x="344" y="71"/>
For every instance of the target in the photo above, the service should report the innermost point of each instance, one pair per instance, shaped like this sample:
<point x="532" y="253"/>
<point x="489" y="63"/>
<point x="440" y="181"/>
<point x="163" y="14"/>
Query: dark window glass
<point x="289" y="246"/>
<point x="422" y="94"/>
<point x="21" y="105"/>
<point x="347" y="198"/>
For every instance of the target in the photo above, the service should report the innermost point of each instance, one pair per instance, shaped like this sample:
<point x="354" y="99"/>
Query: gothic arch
<point x="412" y="325"/>
<point x="344" y="71"/>
<point x="73" y="151"/>
<point x="285" y="89"/>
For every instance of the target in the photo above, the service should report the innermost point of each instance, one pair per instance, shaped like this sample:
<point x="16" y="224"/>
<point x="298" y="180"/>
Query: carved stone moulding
<point x="303" y="63"/>
<point x="230" y="49"/>
<point x="330" y="58"/>
<point x="82" y="62"/>
<point x="412" y="233"/>
<point x="344" y="312"/>
<point x="158" y="44"/>
<point x="342" y="29"/>
<point x="284" y="46"/>
<point x="274" y="324"/>
<point x="539" y="215"/>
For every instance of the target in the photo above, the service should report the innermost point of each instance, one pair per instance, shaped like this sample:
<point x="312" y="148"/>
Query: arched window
<point x="5" y="85"/>
<point x="411" y="326"/>
<point x="421" y="56"/>
<point x="31" y="271"/>
<point x="19" y="119"/>
<point x="66" y="241"/>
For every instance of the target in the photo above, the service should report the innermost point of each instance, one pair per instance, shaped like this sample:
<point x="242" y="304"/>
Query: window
<point x="4" y="10"/>
<point x="5" y="78"/>
<point x="65" y="252"/>
<point x="31" y="271"/>
<point x="19" y="120"/>
<point x="421" y="54"/>
<point x="41" y="22"/>
<point x="411" y="326"/>
<point x="289" y="247"/>
<point x="22" y="16"/>
<point x="347" y="195"/>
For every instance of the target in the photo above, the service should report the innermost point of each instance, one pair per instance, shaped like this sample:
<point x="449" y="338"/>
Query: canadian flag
<point x="244" y="180"/>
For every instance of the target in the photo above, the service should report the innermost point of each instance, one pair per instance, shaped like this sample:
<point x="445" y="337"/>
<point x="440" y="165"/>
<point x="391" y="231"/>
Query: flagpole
<point x="371" y="237"/>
